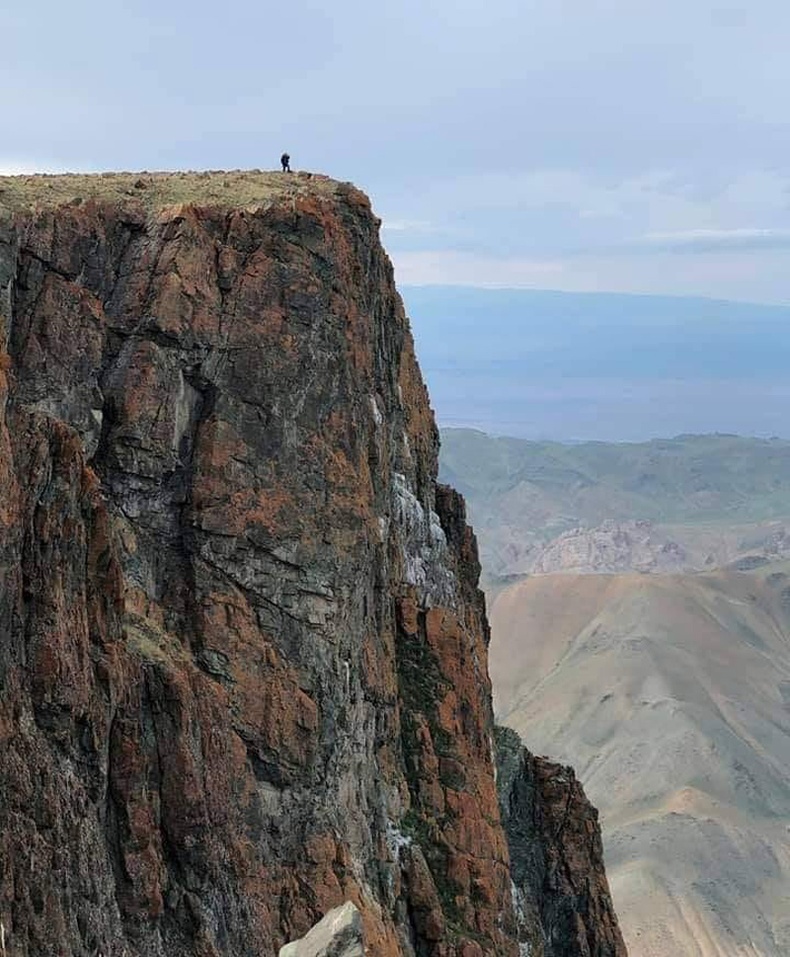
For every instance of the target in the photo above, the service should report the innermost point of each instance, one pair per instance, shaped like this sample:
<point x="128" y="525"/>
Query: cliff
<point x="243" y="656"/>
<point x="560" y="889"/>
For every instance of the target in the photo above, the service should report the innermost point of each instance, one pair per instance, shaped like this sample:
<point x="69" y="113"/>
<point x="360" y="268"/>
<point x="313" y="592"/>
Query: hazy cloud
<point x="707" y="240"/>
<point x="747" y="275"/>
<point x="578" y="231"/>
<point x="449" y="267"/>
<point x="408" y="226"/>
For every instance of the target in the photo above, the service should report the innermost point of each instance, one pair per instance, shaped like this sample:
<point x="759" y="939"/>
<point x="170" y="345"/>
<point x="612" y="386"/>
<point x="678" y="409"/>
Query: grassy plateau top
<point x="157" y="190"/>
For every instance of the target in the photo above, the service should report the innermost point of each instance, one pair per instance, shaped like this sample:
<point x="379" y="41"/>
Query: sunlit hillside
<point x="669" y="694"/>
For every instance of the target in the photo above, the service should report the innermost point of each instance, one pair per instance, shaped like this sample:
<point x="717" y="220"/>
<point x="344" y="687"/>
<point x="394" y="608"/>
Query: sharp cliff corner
<point x="243" y="663"/>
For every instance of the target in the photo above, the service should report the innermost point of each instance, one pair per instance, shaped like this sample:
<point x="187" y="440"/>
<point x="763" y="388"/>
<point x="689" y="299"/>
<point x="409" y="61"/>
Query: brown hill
<point x="670" y="694"/>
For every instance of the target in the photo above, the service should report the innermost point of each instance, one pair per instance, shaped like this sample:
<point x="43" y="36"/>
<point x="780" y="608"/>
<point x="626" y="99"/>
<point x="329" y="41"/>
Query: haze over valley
<point x="688" y="503"/>
<point x="601" y="366"/>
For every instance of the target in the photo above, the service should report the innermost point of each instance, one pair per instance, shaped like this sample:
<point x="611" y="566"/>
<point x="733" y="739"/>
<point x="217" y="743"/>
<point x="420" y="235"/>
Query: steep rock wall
<point x="221" y="516"/>
<point x="556" y="857"/>
<point x="242" y="650"/>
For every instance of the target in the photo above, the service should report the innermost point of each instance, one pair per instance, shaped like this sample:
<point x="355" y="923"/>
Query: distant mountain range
<point x="688" y="503"/>
<point x="599" y="365"/>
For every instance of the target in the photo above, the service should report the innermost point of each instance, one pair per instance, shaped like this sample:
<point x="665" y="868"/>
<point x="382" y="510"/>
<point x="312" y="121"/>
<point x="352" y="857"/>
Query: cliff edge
<point x="243" y="655"/>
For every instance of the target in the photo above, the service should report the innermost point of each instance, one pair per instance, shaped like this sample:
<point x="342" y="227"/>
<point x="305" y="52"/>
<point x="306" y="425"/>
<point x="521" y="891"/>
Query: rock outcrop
<point x="611" y="547"/>
<point x="339" y="934"/>
<point x="556" y="857"/>
<point x="243" y="656"/>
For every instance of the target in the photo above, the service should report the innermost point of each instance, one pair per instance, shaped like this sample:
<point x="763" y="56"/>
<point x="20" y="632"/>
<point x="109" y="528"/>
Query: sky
<point x="577" y="145"/>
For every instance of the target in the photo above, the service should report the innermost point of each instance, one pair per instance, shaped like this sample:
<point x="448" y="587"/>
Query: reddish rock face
<point x="223" y="552"/>
<point x="243" y="662"/>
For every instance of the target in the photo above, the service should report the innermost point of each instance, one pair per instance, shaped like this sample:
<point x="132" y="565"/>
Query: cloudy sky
<point x="621" y="145"/>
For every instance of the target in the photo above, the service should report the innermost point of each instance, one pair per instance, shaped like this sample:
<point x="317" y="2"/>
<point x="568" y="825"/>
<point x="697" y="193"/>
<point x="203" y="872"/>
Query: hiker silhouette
<point x="285" y="159"/>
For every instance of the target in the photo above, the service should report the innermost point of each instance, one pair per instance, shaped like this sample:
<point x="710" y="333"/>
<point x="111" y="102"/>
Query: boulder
<point x="338" y="934"/>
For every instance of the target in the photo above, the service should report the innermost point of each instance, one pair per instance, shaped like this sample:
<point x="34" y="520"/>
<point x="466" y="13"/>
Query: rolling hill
<point x="700" y="501"/>
<point x="670" y="694"/>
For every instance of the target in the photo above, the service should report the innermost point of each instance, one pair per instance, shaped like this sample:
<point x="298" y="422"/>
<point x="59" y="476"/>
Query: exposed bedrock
<point x="243" y="656"/>
<point x="560" y="891"/>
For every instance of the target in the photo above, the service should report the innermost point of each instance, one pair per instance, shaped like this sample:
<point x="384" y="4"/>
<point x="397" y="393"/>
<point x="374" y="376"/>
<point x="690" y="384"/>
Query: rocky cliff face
<point x="560" y="889"/>
<point x="242" y="650"/>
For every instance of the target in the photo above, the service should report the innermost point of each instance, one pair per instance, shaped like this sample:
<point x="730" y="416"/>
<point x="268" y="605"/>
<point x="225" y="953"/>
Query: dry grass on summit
<point x="155" y="190"/>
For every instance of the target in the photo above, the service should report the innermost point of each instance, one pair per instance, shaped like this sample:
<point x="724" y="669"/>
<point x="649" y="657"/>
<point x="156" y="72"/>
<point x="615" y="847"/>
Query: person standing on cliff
<point x="285" y="159"/>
